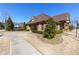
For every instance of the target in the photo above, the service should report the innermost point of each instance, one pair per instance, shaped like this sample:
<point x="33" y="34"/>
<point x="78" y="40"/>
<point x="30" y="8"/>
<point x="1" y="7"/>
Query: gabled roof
<point x="44" y="17"/>
<point x="61" y="17"/>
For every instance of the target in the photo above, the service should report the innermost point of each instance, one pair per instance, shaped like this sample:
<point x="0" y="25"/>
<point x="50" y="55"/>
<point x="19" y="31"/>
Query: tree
<point x="1" y="25"/>
<point x="76" y="28"/>
<point x="24" y="26"/>
<point x="76" y="25"/>
<point x="71" y="27"/>
<point x="9" y="24"/>
<point x="50" y="29"/>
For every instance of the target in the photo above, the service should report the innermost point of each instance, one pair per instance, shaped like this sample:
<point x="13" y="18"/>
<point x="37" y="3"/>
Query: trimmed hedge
<point x="59" y="31"/>
<point x="27" y="29"/>
<point x="39" y="32"/>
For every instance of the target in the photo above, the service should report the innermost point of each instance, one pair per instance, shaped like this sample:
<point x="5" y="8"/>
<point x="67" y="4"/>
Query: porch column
<point x="44" y="26"/>
<point x="66" y="26"/>
<point x="39" y="27"/>
<point x="58" y="27"/>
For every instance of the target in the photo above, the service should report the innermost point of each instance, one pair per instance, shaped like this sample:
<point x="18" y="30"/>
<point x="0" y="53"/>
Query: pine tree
<point x="24" y="26"/>
<point x="1" y="25"/>
<point x="9" y="24"/>
<point x="50" y="29"/>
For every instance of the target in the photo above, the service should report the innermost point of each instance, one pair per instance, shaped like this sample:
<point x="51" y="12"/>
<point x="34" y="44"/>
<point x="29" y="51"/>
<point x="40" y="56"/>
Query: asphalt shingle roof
<point x="44" y="17"/>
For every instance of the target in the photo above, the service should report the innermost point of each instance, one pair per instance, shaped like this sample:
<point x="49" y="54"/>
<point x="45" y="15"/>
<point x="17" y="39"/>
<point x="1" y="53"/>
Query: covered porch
<point x="41" y="26"/>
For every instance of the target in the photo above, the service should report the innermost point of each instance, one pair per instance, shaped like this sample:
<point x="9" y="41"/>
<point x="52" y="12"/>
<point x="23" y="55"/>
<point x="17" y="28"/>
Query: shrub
<point x="27" y="29"/>
<point x="34" y="31"/>
<point x="39" y="32"/>
<point x="70" y="27"/>
<point x="50" y="29"/>
<point x="59" y="31"/>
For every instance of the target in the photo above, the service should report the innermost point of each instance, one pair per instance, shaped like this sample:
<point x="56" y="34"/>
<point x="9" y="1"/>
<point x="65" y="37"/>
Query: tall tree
<point x="1" y="25"/>
<point x="9" y="24"/>
<point x="50" y="29"/>
<point x="76" y="25"/>
<point x="24" y="26"/>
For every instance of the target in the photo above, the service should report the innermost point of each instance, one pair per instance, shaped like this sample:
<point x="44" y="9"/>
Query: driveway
<point x="18" y="46"/>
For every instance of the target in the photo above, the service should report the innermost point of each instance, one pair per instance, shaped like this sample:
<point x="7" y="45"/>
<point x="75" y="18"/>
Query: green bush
<point x="59" y="31"/>
<point x="50" y="30"/>
<point x="70" y="27"/>
<point x="34" y="31"/>
<point x="27" y="29"/>
<point x="39" y="32"/>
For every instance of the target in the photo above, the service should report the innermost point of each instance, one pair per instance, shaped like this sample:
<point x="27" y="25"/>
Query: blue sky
<point x="23" y="12"/>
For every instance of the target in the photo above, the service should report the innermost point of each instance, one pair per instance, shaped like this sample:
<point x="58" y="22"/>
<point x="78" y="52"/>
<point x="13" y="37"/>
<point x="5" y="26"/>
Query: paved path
<point x="20" y="47"/>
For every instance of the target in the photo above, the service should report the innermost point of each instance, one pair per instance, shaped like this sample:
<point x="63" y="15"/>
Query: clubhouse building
<point x="38" y="22"/>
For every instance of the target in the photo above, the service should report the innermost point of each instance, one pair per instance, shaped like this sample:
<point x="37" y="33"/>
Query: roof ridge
<point x="60" y="14"/>
<point x="43" y="14"/>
